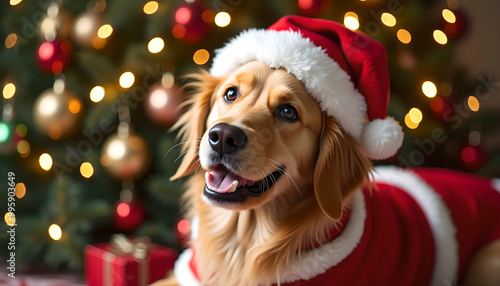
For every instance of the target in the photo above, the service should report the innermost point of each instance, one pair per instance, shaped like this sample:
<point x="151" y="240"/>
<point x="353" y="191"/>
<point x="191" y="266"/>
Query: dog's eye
<point x="289" y="113"/>
<point x="231" y="94"/>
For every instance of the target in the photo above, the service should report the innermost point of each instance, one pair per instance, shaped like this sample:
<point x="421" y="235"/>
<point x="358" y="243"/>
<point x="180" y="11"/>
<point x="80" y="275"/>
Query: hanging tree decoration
<point x="57" y="111"/>
<point x="188" y="23"/>
<point x="125" y="155"/>
<point x="87" y="24"/>
<point x="56" y="24"/>
<point x="128" y="211"/>
<point x="162" y="102"/>
<point x="54" y="56"/>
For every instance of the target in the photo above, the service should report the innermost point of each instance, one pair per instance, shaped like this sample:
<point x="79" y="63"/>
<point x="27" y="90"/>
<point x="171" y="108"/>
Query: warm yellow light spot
<point x="156" y="45"/>
<point x="10" y="218"/>
<point x="473" y="103"/>
<point x="86" y="170"/>
<point x="55" y="232"/>
<point x="222" y="19"/>
<point x="415" y="115"/>
<point x="440" y="37"/>
<point x="449" y="16"/>
<point x="23" y="147"/>
<point x="74" y="106"/>
<point x="409" y="122"/>
<point x="20" y="190"/>
<point x="97" y="93"/>
<point x="403" y="36"/>
<point x="15" y="2"/>
<point x="388" y="19"/>
<point x="45" y="161"/>
<point x="429" y="89"/>
<point x="9" y="90"/>
<point x="201" y="56"/>
<point x="351" y="20"/>
<point x="98" y="43"/>
<point x="150" y="8"/>
<point x="105" y="31"/>
<point x="11" y="41"/>
<point x="127" y="79"/>
<point x="21" y="130"/>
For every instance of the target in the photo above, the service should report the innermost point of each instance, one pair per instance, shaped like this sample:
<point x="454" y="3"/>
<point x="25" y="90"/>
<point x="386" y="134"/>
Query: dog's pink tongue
<point x="221" y="180"/>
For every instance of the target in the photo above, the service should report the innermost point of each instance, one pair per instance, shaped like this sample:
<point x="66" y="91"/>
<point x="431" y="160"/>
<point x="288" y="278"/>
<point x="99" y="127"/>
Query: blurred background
<point x="91" y="88"/>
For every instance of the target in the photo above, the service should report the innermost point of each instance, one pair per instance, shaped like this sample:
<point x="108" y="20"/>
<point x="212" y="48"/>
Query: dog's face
<point x="264" y="137"/>
<point x="261" y="138"/>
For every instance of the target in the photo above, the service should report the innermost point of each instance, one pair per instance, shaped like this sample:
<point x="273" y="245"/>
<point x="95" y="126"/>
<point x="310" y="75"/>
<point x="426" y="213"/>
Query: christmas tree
<point x="90" y="90"/>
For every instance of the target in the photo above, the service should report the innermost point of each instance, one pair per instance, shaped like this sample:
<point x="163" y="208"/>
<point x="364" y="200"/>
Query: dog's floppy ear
<point x="341" y="168"/>
<point x="192" y="123"/>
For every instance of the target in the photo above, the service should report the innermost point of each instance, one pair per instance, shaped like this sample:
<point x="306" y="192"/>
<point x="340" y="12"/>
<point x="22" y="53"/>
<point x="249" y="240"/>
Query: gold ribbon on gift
<point x="138" y="248"/>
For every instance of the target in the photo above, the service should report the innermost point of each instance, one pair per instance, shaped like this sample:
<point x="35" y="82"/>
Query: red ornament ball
<point x="313" y="7"/>
<point x="54" y="57"/>
<point x="188" y="23"/>
<point x="162" y="105"/>
<point x="128" y="215"/>
<point x="473" y="157"/>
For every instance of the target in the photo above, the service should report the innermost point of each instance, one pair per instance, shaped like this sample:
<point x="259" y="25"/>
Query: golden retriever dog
<point x="281" y="194"/>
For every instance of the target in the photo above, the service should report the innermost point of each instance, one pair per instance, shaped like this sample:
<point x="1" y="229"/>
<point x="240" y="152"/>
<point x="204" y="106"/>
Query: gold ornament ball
<point x="85" y="28"/>
<point x="57" y="23"/>
<point x="126" y="156"/>
<point x="57" y="114"/>
<point x="162" y="105"/>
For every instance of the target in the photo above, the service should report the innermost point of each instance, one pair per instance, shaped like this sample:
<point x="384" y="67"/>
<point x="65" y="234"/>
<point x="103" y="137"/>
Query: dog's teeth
<point x="206" y="176"/>
<point x="233" y="188"/>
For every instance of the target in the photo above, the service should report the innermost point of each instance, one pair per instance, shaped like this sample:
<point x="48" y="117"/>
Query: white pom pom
<point x="381" y="138"/>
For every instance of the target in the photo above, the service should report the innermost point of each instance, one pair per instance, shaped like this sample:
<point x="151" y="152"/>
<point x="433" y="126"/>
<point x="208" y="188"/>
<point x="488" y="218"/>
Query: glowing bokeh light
<point x="388" y="19"/>
<point x="45" y="161"/>
<point x="127" y="79"/>
<point x="123" y="209"/>
<point x="449" y="16"/>
<point x="150" y="8"/>
<point x="440" y="37"/>
<point x="201" y="57"/>
<point x="97" y="93"/>
<point x="156" y="45"/>
<point x="351" y="20"/>
<point x="183" y="15"/>
<point x="429" y="89"/>
<point x="404" y="36"/>
<point x="20" y="190"/>
<point x="105" y="31"/>
<point x="473" y="103"/>
<point x="55" y="232"/>
<point x="86" y="170"/>
<point x="222" y="19"/>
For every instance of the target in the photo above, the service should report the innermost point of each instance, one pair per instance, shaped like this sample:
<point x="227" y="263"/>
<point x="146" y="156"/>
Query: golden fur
<point x="250" y="243"/>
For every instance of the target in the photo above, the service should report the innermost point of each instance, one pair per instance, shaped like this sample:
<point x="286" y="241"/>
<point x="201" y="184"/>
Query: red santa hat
<point x="345" y="71"/>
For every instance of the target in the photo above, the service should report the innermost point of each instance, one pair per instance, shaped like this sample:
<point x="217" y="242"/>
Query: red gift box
<point x="124" y="262"/>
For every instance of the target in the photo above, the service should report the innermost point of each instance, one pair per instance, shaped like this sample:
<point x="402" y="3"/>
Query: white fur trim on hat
<point x="381" y="138"/>
<point x="323" y="78"/>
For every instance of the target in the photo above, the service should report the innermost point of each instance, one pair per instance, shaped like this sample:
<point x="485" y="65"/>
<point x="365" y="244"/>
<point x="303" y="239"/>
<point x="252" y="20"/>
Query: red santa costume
<point x="416" y="227"/>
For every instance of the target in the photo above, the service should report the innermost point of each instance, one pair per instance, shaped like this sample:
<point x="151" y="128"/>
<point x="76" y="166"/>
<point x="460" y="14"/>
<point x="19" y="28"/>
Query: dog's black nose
<point x="225" y="138"/>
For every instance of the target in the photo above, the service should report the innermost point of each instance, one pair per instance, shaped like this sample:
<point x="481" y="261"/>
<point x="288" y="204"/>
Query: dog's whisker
<point x="185" y="152"/>
<point x="283" y="171"/>
<point x="179" y="144"/>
